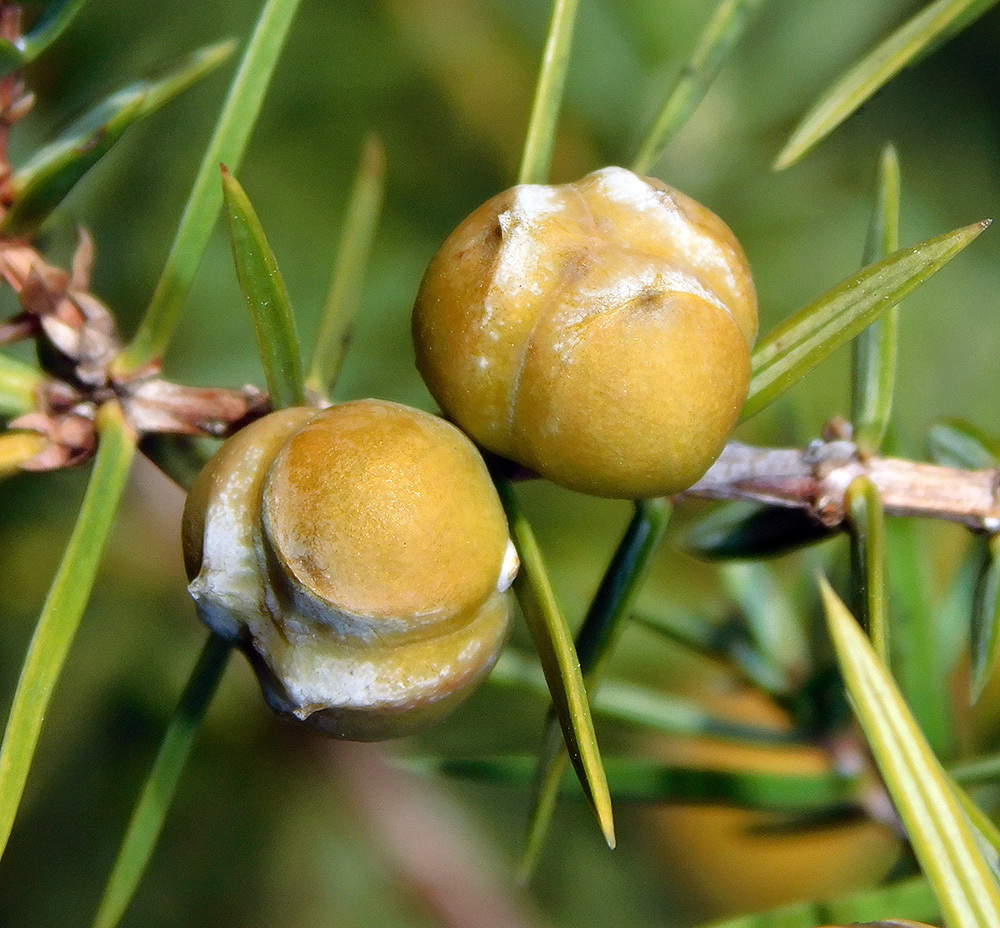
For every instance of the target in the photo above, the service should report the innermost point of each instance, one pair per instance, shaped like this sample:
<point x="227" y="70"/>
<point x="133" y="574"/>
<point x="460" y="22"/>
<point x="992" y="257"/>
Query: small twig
<point x="158" y="406"/>
<point x="81" y="342"/>
<point x="816" y="478"/>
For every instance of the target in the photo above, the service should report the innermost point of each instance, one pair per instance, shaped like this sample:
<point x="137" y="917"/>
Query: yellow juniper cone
<point x="597" y="332"/>
<point x="360" y="557"/>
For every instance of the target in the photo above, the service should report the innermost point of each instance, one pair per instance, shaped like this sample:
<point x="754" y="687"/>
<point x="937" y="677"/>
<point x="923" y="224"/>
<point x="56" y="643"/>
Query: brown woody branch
<point x="816" y="478"/>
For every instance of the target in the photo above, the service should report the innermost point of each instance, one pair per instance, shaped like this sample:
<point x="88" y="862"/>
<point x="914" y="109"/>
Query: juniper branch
<point x="816" y="478"/>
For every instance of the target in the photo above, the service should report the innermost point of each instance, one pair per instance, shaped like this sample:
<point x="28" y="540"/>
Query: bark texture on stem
<point x="816" y="478"/>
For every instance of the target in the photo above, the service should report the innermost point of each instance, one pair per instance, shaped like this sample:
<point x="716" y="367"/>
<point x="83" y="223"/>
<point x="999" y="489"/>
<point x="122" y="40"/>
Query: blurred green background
<point x="275" y="826"/>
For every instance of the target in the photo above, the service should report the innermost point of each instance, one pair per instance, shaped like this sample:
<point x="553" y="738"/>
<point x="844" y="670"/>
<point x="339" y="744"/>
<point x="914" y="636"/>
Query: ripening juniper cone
<point x="360" y="557"/>
<point x="597" y="332"/>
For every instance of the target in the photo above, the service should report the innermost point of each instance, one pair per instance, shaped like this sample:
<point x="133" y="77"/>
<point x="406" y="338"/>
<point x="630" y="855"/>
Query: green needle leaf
<point x="538" y="143"/>
<point x="559" y="662"/>
<point x="688" y="629"/>
<point x="232" y="131"/>
<point x="170" y="82"/>
<point x="893" y="923"/>
<point x="266" y="296"/>
<point x="611" y="605"/>
<point x="788" y="352"/>
<point x="939" y="831"/>
<point x="18" y="382"/>
<point x="924" y="649"/>
<point x="43" y="183"/>
<point x="10" y="58"/>
<point x="723" y="31"/>
<point x="750" y="530"/>
<point x="546" y="787"/>
<point x="727" y="641"/>
<point x="905" y="45"/>
<point x="868" y="556"/>
<point x="672" y="715"/>
<point x="906" y="899"/>
<point x="988" y="832"/>
<point x="962" y="445"/>
<point x="63" y="609"/>
<point x="980" y="771"/>
<point x="620" y="585"/>
<point x="48" y="27"/>
<point x="643" y="780"/>
<point x="632" y="704"/>
<point x="149" y="813"/>
<point x="985" y="626"/>
<point x="548" y="626"/>
<point x="777" y="631"/>
<point x="157" y="792"/>
<point x="873" y="360"/>
<point x="344" y="299"/>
